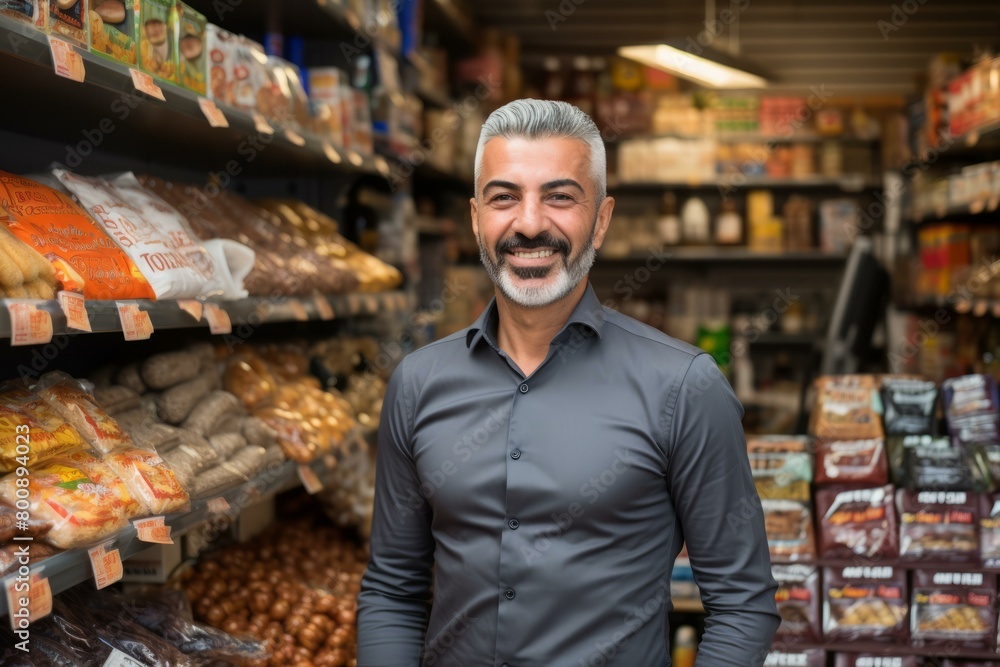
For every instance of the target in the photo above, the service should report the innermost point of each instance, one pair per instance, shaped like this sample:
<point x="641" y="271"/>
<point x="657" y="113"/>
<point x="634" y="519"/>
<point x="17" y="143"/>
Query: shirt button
<point x="509" y="594"/>
<point x="513" y="523"/>
<point x="516" y="454"/>
<point x="505" y="665"/>
<point x="524" y="388"/>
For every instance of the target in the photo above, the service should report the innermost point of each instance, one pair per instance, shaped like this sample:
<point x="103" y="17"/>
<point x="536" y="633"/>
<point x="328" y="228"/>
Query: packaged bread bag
<point x="30" y="430"/>
<point x="67" y="397"/>
<point x="85" y="259"/>
<point x="173" y="264"/>
<point x="111" y="27"/>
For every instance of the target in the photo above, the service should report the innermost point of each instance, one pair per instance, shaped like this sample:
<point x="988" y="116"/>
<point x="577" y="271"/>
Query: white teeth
<point x="535" y="255"/>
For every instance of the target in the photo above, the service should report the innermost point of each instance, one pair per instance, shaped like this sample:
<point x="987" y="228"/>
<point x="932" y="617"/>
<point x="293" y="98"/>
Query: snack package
<point x="74" y="404"/>
<point x="149" y="479"/>
<point x="157" y="33"/>
<point x="865" y="603"/>
<point x="781" y="466"/>
<point x="112" y="28"/>
<point x="221" y="56"/>
<point x="249" y="73"/>
<point x="897" y="445"/>
<point x="851" y="462"/>
<point x="22" y="11"/>
<point x="846" y="407"/>
<point x="909" y="406"/>
<point x="174" y="266"/>
<point x="68" y="495"/>
<point x="953" y="608"/>
<point x="798" y="597"/>
<point x="984" y="458"/>
<point x="872" y="660"/>
<point x="971" y="407"/>
<point x="989" y="530"/>
<point x="938" y="526"/>
<point x="789" y="528"/>
<point x="191" y="53"/>
<point x="941" y="469"/>
<point x="65" y="20"/>
<point x="810" y="657"/>
<point x="857" y="522"/>
<point x="98" y="471"/>
<point x="27" y="421"/>
<point x="85" y="259"/>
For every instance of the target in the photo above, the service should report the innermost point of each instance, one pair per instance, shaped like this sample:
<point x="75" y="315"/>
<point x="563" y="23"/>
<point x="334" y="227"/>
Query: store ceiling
<point x="803" y="43"/>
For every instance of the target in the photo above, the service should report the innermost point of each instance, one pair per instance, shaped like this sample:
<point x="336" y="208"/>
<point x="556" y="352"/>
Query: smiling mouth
<point x="532" y="254"/>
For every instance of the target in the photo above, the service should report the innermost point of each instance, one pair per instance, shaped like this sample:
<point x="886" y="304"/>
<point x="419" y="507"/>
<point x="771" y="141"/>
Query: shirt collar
<point x="588" y="313"/>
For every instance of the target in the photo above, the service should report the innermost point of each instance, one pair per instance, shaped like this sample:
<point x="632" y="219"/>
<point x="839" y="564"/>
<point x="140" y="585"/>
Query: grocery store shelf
<point x="432" y="174"/>
<point x="756" y="138"/>
<point x="977" y="307"/>
<point x="173" y="132"/>
<point x="435" y="99"/>
<point x="727" y="254"/>
<point x="905" y="565"/>
<point x="964" y="213"/>
<point x="847" y="183"/>
<point x="252" y="311"/>
<point x="452" y="23"/>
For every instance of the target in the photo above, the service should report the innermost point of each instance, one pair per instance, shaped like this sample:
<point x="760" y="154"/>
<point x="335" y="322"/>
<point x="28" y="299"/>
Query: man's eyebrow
<point x="561" y="183"/>
<point x="506" y="185"/>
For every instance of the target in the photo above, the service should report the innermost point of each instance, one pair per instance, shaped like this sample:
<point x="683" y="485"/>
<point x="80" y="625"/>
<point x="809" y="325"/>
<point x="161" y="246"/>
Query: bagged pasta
<point x="149" y="479"/>
<point x="953" y="609"/>
<point x="77" y="406"/>
<point x="27" y="420"/>
<point x="865" y="603"/>
<point x="175" y="266"/>
<point x="85" y="259"/>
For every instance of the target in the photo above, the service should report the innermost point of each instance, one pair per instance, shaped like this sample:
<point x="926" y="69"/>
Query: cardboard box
<point x="254" y="519"/>
<point x="154" y="565"/>
<point x="111" y="27"/>
<point x="157" y="32"/>
<point x="191" y="51"/>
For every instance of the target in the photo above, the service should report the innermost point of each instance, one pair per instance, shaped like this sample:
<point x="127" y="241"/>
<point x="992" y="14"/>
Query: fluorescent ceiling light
<point x="711" y="71"/>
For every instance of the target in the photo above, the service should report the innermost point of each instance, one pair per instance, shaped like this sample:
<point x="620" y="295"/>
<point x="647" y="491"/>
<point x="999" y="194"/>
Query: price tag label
<point x="261" y="124"/>
<point x="136" y="324"/>
<point x="324" y="308"/>
<point x="106" y="564"/>
<point x="218" y="505"/>
<point x="144" y="83"/>
<point x="28" y="324"/>
<point x="294" y="137"/>
<point x="33" y="594"/>
<point x="213" y="113"/>
<point x="66" y="62"/>
<point x="153" y="530"/>
<point x="192" y="307"/>
<point x="298" y="310"/>
<point x="310" y="480"/>
<point x="331" y="153"/>
<point x="218" y="319"/>
<point x="119" y="659"/>
<point x="74" y="307"/>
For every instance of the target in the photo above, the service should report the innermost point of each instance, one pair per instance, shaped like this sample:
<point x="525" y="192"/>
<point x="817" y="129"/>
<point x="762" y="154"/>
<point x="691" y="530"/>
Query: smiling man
<point x="540" y="470"/>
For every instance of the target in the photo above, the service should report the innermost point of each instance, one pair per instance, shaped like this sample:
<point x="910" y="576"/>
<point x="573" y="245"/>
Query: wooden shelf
<point x="846" y="183"/>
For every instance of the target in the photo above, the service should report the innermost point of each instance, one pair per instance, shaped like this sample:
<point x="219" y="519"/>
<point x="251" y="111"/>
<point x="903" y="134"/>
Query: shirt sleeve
<point x="721" y="518"/>
<point x="395" y="591"/>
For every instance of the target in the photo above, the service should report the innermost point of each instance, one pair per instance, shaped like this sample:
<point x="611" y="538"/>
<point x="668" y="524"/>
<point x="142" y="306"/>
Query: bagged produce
<point x="864" y="603"/>
<point x="149" y="479"/>
<point x="954" y="609"/>
<point x="938" y="526"/>
<point x="27" y="420"/>
<point x="85" y="259"/>
<point x="78" y="407"/>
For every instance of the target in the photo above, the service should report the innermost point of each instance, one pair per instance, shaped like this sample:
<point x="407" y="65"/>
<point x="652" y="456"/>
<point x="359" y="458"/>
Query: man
<point x="546" y="464"/>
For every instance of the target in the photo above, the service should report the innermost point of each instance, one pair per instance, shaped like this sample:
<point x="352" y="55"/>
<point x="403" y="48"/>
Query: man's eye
<point x="502" y="198"/>
<point x="558" y="196"/>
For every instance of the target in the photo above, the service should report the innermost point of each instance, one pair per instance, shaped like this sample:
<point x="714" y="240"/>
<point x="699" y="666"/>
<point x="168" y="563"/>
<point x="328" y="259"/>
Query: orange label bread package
<point x="74" y="404"/>
<point x="86" y="260"/>
<point x="31" y="431"/>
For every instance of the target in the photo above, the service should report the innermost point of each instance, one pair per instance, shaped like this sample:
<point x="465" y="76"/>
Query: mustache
<point x="521" y="242"/>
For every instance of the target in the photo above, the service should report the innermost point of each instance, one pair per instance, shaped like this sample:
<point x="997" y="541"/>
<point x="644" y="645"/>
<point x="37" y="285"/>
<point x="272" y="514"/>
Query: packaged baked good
<point x="846" y="407"/>
<point x="897" y="446"/>
<point x="221" y="55"/>
<point x="798" y="597"/>
<point x="781" y="466"/>
<point x="149" y="479"/>
<point x="875" y="660"/>
<point x="857" y="522"/>
<point x="11" y="526"/>
<point x="810" y="657"/>
<point x="941" y="469"/>
<point x="862" y="602"/>
<point x="76" y="405"/>
<point x="789" y="528"/>
<point x="157" y="33"/>
<point x="851" y="462"/>
<point x="972" y="408"/>
<point x="989" y="530"/>
<point x="66" y="20"/>
<point x="908" y="406"/>
<point x="191" y="53"/>
<point x="938" y="526"/>
<point x="100" y="472"/>
<point x="249" y="73"/>
<point x="112" y="29"/>
<point x="85" y="259"/>
<point x="30" y="430"/>
<point x="957" y="609"/>
<point x="22" y="11"/>
<point x="67" y="494"/>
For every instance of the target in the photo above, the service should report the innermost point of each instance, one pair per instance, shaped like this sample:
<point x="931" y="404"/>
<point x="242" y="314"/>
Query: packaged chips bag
<point x="938" y="526"/>
<point x="851" y="462"/>
<point x="857" y="522"/>
<point x="798" y="600"/>
<point x="862" y="602"/>
<point x="954" y="609"/>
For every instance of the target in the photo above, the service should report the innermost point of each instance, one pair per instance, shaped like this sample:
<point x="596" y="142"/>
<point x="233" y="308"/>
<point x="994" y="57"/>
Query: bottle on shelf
<point x="668" y="224"/>
<point x="696" y="223"/>
<point x="728" y="224"/>
<point x="685" y="647"/>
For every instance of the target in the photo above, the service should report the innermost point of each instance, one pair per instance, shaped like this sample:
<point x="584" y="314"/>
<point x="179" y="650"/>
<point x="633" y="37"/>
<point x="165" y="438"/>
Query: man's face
<point x="536" y="217"/>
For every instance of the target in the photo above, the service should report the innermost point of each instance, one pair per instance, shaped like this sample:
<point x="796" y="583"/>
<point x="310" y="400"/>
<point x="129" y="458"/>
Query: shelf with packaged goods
<point x="251" y="311"/>
<point x="695" y="254"/>
<point x="908" y="565"/>
<point x="890" y="648"/>
<point x="106" y="113"/>
<point x="979" y="307"/>
<point x="976" y="211"/>
<point x="71" y="567"/>
<point x="435" y="99"/>
<point x="756" y="138"/>
<point x="970" y="144"/>
<point x="846" y="183"/>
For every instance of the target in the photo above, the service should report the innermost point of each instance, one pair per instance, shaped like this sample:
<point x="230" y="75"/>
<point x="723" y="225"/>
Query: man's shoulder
<point x="645" y="335"/>
<point x="442" y="349"/>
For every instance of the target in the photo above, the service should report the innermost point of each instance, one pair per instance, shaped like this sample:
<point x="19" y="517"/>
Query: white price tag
<point x="218" y="505"/>
<point x="331" y="153"/>
<point x="66" y="62"/>
<point x="28" y="324"/>
<point x="74" y="307"/>
<point x="213" y="113"/>
<point x="136" y="324"/>
<point x="298" y="310"/>
<point x="144" y="83"/>
<point x="106" y="564"/>
<point x="294" y="137"/>
<point x="218" y="319"/>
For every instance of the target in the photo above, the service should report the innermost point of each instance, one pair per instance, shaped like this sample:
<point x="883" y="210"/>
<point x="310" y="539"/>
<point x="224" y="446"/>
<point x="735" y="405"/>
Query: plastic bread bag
<point x="865" y="603"/>
<point x="76" y="405"/>
<point x="857" y="522"/>
<point x="11" y="526"/>
<point x="24" y="272"/>
<point x="147" y="431"/>
<point x="938" y="526"/>
<point x="99" y="471"/>
<point x="956" y="609"/>
<point x="149" y="479"/>
<point x="191" y="457"/>
<point x="798" y="600"/>
<point x="851" y="462"/>
<point x="65" y="494"/>
<point x="85" y="259"/>
<point x="27" y="421"/>
<point x="909" y="406"/>
<point x="846" y="407"/>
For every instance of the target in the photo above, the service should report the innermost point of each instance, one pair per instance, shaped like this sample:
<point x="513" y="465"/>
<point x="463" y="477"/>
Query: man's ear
<point x="604" y="212"/>
<point x="474" y="211"/>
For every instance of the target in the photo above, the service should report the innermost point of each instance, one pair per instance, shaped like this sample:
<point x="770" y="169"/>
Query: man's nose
<point x="531" y="219"/>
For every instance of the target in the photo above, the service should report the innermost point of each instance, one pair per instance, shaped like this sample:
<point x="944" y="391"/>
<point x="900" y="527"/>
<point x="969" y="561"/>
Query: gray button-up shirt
<point x="554" y="505"/>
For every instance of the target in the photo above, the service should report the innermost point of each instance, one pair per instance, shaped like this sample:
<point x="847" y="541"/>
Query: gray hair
<point x="543" y="119"/>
